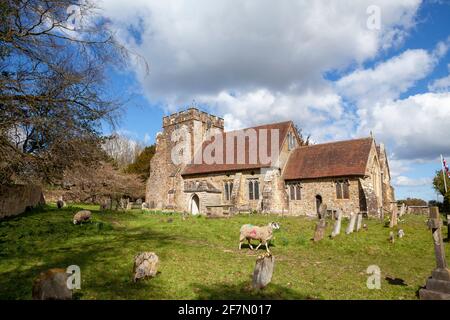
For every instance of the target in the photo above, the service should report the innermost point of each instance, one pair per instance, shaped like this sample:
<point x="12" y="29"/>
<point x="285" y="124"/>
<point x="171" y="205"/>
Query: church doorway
<point x="194" y="205"/>
<point x="318" y="204"/>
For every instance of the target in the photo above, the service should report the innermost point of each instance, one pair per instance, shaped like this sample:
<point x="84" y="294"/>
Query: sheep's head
<point x="274" y="225"/>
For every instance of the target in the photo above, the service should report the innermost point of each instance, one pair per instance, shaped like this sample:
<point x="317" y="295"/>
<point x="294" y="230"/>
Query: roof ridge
<point x="333" y="142"/>
<point x="262" y="125"/>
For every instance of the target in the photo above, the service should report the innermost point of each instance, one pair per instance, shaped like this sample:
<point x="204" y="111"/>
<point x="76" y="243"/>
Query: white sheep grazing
<point x="263" y="234"/>
<point x="81" y="216"/>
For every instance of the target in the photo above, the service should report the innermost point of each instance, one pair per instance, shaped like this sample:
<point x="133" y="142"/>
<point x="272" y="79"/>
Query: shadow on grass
<point x="396" y="281"/>
<point x="243" y="291"/>
<point x="46" y="241"/>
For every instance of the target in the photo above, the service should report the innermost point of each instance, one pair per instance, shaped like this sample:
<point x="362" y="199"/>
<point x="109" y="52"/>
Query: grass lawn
<point x="199" y="257"/>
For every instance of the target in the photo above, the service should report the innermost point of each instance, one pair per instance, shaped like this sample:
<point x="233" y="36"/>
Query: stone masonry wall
<point x="15" y="199"/>
<point x="326" y="188"/>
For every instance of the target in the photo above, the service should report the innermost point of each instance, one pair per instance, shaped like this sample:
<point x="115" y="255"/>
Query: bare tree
<point x="53" y="93"/>
<point x="122" y="150"/>
<point x="101" y="181"/>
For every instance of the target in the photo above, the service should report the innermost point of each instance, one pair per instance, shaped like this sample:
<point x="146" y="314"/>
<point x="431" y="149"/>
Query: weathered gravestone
<point x="337" y="224"/>
<point x="391" y="237"/>
<point x="359" y="219"/>
<point x="402" y="210"/>
<point x="323" y="211"/>
<point x="145" y="265"/>
<point x="52" y="285"/>
<point x="262" y="274"/>
<point x="351" y="225"/>
<point x="438" y="285"/>
<point x="393" y="221"/>
<point x="320" y="230"/>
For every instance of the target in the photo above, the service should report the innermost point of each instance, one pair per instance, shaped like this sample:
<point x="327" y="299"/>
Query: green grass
<point x="199" y="257"/>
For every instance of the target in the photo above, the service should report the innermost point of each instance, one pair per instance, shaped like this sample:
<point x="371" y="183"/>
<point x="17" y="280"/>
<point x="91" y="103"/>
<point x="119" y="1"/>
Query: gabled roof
<point x="335" y="159"/>
<point x="203" y="167"/>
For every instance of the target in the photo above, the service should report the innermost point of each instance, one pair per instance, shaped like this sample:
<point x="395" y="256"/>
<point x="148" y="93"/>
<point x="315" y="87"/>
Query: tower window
<point x="253" y="189"/>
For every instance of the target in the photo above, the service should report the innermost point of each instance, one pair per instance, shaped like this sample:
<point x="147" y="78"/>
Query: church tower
<point x="165" y="185"/>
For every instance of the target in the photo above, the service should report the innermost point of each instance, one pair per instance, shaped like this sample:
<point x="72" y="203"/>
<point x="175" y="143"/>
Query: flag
<point x="445" y="167"/>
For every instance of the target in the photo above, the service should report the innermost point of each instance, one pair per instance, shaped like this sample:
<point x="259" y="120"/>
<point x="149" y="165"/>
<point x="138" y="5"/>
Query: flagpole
<point x="443" y="173"/>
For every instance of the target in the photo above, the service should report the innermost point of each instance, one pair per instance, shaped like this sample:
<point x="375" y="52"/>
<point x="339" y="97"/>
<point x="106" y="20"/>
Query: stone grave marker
<point x="320" y="230"/>
<point x="359" y="219"/>
<point x="337" y="224"/>
<point x="438" y="285"/>
<point x="262" y="274"/>
<point x="393" y="221"/>
<point x="351" y="225"/>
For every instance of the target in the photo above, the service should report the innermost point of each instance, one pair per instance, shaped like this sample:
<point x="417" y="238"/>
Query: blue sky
<point x="316" y="63"/>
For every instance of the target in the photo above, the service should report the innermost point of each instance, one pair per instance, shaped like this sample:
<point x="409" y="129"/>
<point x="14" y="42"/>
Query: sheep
<point x="263" y="234"/>
<point x="60" y="203"/>
<point x="81" y="216"/>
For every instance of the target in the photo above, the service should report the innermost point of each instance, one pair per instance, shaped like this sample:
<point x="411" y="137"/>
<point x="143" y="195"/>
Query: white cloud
<point x="260" y="61"/>
<point x="403" y="181"/>
<point x="441" y="84"/>
<point x="203" y="47"/>
<point x="388" y="79"/>
<point x="416" y="127"/>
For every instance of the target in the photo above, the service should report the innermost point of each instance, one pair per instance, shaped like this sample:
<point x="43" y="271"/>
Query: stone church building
<point x="350" y="175"/>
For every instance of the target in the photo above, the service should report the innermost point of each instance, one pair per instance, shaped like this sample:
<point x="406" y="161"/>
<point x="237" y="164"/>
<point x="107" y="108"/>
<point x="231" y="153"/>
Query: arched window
<point x="342" y="189"/>
<point x="228" y="189"/>
<point x="253" y="189"/>
<point x="295" y="191"/>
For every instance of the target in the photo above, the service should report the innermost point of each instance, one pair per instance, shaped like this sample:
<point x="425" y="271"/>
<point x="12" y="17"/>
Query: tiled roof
<point x="283" y="128"/>
<point x="335" y="159"/>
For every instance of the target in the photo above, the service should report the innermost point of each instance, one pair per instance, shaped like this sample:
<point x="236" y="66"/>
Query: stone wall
<point x="15" y="199"/>
<point x="423" y="210"/>
<point x="326" y="188"/>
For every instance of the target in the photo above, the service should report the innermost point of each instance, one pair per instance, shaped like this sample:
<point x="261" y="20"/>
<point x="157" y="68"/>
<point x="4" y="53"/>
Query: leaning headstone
<point x="322" y="211"/>
<point x="401" y="233"/>
<point x="129" y="205"/>
<point x="391" y="237"/>
<point x="393" y="221"/>
<point x="144" y="206"/>
<point x="359" y="219"/>
<point x="319" y="233"/>
<point x="337" y="224"/>
<point x="438" y="285"/>
<point x="145" y="265"/>
<point x="262" y="274"/>
<point x="351" y="225"/>
<point x="51" y="285"/>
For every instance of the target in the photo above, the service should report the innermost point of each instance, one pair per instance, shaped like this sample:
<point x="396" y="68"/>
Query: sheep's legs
<point x="259" y="245"/>
<point x="250" y="245"/>
<point x="267" y="247"/>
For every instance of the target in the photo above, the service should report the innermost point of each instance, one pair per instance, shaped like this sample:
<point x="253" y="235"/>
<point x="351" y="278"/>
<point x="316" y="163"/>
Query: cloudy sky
<point x="332" y="67"/>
